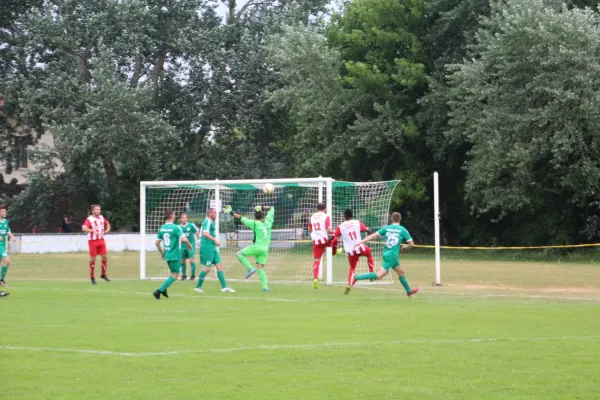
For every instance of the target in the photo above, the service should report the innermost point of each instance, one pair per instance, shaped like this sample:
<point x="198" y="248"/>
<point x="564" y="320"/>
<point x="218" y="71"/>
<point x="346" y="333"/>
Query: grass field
<point x="495" y="330"/>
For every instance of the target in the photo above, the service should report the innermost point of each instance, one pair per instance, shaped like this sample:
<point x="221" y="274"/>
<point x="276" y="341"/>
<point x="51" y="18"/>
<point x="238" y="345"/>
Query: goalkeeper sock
<point x="183" y="268"/>
<point x="221" y="277"/>
<point x="201" y="279"/>
<point x="168" y="282"/>
<point x="263" y="278"/>
<point x="193" y="265"/>
<point x="370" y="275"/>
<point x="316" y="269"/>
<point x="4" y="270"/>
<point x="244" y="262"/>
<point x="404" y="283"/>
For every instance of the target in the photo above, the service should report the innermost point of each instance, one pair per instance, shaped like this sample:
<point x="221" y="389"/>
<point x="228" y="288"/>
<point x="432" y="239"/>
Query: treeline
<point x="501" y="97"/>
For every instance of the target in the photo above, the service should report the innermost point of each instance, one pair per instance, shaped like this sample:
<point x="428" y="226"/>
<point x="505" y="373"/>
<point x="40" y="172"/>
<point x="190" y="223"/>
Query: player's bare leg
<point x="104" y="267"/>
<point x="404" y="282"/>
<point x="92" y="269"/>
<point x="5" y="262"/>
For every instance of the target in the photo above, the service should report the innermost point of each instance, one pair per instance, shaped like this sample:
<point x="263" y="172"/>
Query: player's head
<point x="2" y="211"/>
<point x="211" y="213"/>
<point x="321" y="206"/>
<point x="183" y="218"/>
<point x="95" y="209"/>
<point x="169" y="215"/>
<point x="258" y="215"/>
<point x="347" y="214"/>
<point x="396" y="218"/>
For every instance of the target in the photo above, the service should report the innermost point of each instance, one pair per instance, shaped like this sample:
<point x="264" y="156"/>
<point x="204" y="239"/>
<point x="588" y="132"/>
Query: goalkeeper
<point x="261" y="227"/>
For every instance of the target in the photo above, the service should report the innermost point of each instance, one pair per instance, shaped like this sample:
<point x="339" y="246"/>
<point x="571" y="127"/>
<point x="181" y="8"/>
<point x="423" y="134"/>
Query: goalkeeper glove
<point x="228" y="210"/>
<point x="257" y="209"/>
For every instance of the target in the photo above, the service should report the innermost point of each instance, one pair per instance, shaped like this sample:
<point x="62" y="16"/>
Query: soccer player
<point x="209" y="252"/>
<point x="190" y="230"/>
<point x="394" y="234"/>
<point x="5" y="236"/>
<point x="319" y="227"/>
<point x="261" y="226"/>
<point x="171" y="235"/>
<point x="96" y="226"/>
<point x="350" y="231"/>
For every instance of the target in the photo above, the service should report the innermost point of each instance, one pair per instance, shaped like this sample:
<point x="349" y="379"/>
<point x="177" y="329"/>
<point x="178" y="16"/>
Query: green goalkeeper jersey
<point x="4" y="231"/>
<point x="208" y="226"/>
<point x="394" y="235"/>
<point x="189" y="231"/>
<point x="261" y="229"/>
<point x="170" y="234"/>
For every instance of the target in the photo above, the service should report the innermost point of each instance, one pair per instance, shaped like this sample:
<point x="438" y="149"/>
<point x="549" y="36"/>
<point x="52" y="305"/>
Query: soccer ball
<point x="269" y="188"/>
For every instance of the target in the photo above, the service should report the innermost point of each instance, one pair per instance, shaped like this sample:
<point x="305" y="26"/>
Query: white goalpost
<point x="290" y="253"/>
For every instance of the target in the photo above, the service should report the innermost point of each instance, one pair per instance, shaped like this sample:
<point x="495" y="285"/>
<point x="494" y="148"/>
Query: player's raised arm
<point x="270" y="215"/>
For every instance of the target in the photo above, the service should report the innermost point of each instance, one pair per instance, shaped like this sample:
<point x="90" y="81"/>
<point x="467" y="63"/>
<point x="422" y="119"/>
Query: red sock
<point x="316" y="269"/>
<point x="370" y="261"/>
<point x="334" y="244"/>
<point x="104" y="267"/>
<point x="350" y="273"/>
<point x="92" y="267"/>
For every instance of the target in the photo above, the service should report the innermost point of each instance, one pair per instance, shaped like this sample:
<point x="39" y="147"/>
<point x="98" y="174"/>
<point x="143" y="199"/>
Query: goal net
<point x="295" y="200"/>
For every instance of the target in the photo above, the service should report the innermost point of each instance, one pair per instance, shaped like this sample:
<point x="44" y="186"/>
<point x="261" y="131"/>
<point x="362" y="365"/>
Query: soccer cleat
<point x="413" y="291"/>
<point x="347" y="290"/>
<point x="156" y="294"/>
<point x="316" y="284"/>
<point x="93" y="281"/>
<point x="199" y="290"/>
<point x="105" y="278"/>
<point x="227" y="290"/>
<point x="250" y="273"/>
<point x="192" y="278"/>
<point x="338" y="251"/>
<point x="183" y="277"/>
<point x="3" y="283"/>
<point x="4" y="294"/>
<point x="265" y="289"/>
<point x="164" y="293"/>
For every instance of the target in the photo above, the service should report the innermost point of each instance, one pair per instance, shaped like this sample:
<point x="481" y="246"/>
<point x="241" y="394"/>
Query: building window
<point x="20" y="152"/>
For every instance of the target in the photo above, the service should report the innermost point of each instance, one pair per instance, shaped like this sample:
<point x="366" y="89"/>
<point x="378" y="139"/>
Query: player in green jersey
<point x="5" y="236"/>
<point x="209" y="252"/>
<point x="393" y="234"/>
<point x="191" y="232"/>
<point x="171" y="236"/>
<point x="261" y="227"/>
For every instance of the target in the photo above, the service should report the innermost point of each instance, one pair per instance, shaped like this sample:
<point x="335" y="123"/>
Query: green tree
<point x="526" y="101"/>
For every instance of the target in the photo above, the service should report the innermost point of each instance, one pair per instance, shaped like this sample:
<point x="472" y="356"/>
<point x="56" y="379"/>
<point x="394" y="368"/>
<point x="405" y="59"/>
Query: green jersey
<point x="170" y="234"/>
<point x="394" y="235"/>
<point x="189" y="231"/>
<point x="4" y="231"/>
<point x="208" y="226"/>
<point x="261" y="229"/>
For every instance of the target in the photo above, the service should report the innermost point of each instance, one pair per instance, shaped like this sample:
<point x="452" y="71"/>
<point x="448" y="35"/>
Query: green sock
<point x="4" y="270"/>
<point x="263" y="278"/>
<point x="244" y="262"/>
<point x="222" y="279"/>
<point x="168" y="282"/>
<point x="201" y="279"/>
<point x="193" y="265"/>
<point x="183" y="268"/>
<point x="370" y="275"/>
<point x="404" y="283"/>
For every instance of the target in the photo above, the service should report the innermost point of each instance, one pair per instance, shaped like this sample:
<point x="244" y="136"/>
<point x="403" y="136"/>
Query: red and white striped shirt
<point x="98" y="225"/>
<point x="319" y="223"/>
<point x="350" y="231"/>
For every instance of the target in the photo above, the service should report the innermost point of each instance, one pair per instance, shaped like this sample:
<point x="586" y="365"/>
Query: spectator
<point x="65" y="224"/>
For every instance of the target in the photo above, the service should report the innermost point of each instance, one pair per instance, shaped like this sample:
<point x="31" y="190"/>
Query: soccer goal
<point x="290" y="253"/>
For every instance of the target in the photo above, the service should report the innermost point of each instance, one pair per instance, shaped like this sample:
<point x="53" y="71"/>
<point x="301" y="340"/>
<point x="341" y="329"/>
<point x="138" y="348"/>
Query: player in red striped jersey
<point x="319" y="227"/>
<point x="350" y="231"/>
<point x="96" y="226"/>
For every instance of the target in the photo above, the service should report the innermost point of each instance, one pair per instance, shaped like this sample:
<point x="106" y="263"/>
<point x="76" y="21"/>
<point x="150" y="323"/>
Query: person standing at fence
<point x="96" y="226"/>
<point x="5" y="236"/>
